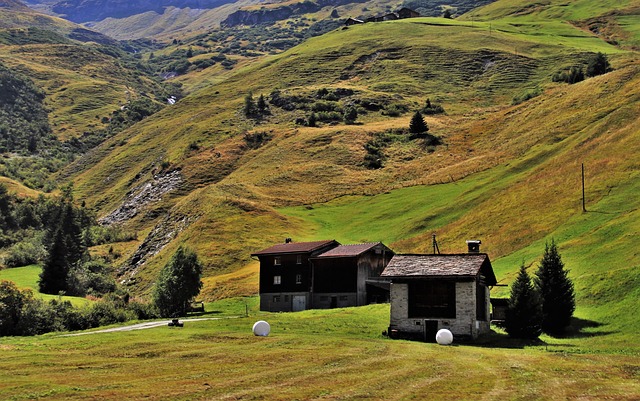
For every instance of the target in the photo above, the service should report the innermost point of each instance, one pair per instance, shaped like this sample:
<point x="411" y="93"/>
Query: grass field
<point x="27" y="278"/>
<point x="336" y="354"/>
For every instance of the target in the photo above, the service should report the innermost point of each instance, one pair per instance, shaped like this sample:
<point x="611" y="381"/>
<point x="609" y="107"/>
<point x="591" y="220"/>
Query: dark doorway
<point x="430" y="330"/>
<point x="334" y="302"/>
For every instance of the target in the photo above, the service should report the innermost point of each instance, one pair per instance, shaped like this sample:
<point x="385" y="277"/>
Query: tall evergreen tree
<point x="556" y="290"/>
<point x="178" y="282"/>
<point x="524" y="315"/>
<point x="262" y="105"/>
<point x="417" y="125"/>
<point x="65" y="246"/>
<point x="249" y="105"/>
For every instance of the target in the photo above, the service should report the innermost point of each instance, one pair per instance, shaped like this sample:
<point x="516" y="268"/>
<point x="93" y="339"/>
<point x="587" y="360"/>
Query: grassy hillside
<point x="469" y="67"/>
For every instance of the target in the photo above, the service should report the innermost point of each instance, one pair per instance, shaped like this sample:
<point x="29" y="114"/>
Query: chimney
<point x="287" y="240"/>
<point x="474" y="246"/>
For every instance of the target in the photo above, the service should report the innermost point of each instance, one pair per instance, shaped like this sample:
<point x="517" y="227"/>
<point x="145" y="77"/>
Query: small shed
<point x="433" y="292"/>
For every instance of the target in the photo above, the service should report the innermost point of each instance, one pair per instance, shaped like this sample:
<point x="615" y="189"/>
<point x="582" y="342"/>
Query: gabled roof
<point x="295" y="247"/>
<point x="349" y="250"/>
<point x="441" y="266"/>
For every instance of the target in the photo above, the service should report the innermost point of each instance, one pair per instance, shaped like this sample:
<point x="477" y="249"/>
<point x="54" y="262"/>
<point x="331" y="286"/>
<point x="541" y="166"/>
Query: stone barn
<point x="433" y="292"/>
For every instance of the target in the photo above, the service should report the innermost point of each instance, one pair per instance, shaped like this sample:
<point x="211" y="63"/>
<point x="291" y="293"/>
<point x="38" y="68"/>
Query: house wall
<point x="282" y="301"/>
<point x="464" y="324"/>
<point x="333" y="300"/>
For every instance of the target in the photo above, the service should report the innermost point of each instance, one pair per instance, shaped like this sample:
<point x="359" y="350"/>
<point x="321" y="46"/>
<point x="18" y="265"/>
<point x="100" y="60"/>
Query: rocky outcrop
<point x="161" y="235"/>
<point x="97" y="10"/>
<point x="268" y="15"/>
<point x="143" y="195"/>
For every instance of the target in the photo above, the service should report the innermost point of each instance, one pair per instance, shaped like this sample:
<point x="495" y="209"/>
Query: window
<point x="277" y="260"/>
<point x="276" y="298"/>
<point x="344" y="298"/>
<point x="298" y="278"/>
<point x="432" y="299"/>
<point x="299" y="259"/>
<point x="277" y="280"/>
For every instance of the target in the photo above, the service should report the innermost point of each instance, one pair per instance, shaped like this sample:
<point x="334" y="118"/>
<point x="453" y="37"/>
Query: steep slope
<point x="227" y="187"/>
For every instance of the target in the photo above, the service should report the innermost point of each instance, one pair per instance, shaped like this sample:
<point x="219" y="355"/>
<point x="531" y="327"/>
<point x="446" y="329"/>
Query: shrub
<point x="598" y="64"/>
<point x="572" y="76"/>
<point x="25" y="253"/>
<point x="395" y="110"/>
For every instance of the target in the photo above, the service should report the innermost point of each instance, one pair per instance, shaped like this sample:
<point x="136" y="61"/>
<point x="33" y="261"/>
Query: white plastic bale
<point x="444" y="337"/>
<point x="261" y="328"/>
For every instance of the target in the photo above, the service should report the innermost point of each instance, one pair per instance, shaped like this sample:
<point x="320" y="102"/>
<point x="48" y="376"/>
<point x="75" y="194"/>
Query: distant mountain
<point x="13" y="5"/>
<point x="97" y="10"/>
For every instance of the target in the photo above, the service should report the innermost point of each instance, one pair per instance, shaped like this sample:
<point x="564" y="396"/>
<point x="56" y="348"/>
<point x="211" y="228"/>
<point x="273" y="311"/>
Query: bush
<point x="572" y="76"/>
<point x="25" y="253"/>
<point x="598" y="64"/>
<point x="395" y="110"/>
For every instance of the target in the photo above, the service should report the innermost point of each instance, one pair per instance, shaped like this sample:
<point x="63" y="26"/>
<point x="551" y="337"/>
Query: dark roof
<point x="348" y="250"/>
<point x="442" y="266"/>
<point x="295" y="247"/>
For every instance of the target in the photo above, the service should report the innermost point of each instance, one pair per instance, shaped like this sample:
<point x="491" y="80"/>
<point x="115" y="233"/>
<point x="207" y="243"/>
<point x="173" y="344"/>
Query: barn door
<point x="299" y="303"/>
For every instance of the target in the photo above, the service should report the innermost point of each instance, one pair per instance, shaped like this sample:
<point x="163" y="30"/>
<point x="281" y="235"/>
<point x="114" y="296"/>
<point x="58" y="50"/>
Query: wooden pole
<point x="584" y="208"/>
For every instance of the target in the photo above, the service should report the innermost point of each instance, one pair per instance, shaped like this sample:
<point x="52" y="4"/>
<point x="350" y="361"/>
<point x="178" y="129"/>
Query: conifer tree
<point x="65" y="247"/>
<point x="262" y="105"/>
<point x="417" y="124"/>
<point x="524" y="315"/>
<point x="249" y="105"/>
<point x="556" y="290"/>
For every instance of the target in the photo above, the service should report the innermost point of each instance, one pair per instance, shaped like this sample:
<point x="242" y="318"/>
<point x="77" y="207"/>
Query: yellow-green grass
<point x="27" y="278"/>
<point x="18" y="189"/>
<point x="229" y="190"/>
<point x="337" y="354"/>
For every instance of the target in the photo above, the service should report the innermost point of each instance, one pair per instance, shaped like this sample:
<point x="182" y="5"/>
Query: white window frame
<point x="277" y="280"/>
<point x="299" y="278"/>
<point x="277" y="260"/>
<point x="299" y="260"/>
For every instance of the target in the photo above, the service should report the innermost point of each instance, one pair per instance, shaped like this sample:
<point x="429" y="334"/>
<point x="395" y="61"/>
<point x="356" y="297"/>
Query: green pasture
<point x="329" y="354"/>
<point x="27" y="278"/>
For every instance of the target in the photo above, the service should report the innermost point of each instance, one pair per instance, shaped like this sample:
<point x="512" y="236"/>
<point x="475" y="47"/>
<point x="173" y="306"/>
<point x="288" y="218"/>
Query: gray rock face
<point x="144" y="195"/>
<point x="97" y="10"/>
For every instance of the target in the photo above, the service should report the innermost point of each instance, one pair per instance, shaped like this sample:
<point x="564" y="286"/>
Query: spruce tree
<point x="65" y="246"/>
<point x="524" y="315"/>
<point x="556" y="290"/>
<point x="178" y="282"/>
<point x="417" y="124"/>
<point x="249" y="105"/>
<point x="262" y="105"/>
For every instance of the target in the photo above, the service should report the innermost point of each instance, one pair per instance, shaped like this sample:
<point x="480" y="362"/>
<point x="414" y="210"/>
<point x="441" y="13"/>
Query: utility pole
<point x="584" y="208"/>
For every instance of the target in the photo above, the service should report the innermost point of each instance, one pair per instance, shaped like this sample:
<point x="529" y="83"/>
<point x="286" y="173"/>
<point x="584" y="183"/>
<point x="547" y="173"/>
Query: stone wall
<point x="463" y="325"/>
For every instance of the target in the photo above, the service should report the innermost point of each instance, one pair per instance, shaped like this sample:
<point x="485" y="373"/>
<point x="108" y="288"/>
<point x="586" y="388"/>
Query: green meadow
<point x="334" y="354"/>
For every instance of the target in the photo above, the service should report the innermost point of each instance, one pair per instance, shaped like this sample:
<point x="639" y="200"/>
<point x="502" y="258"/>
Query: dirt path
<point x="145" y="325"/>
